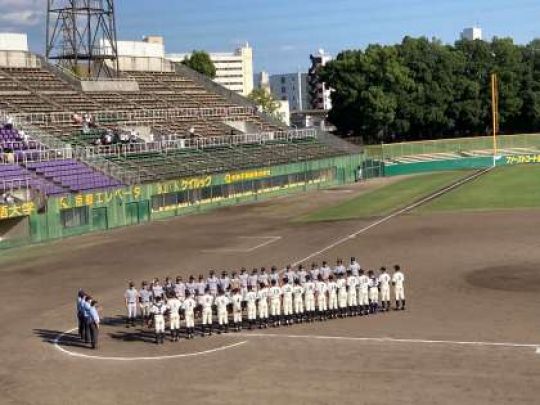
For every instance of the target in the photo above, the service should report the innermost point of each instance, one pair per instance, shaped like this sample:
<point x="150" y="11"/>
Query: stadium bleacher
<point x="172" y="105"/>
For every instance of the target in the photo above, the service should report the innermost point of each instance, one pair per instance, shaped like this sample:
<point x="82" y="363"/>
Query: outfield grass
<point x="387" y="199"/>
<point x="510" y="187"/>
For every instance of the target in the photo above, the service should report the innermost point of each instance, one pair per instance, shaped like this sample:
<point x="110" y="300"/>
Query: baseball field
<point x="470" y="334"/>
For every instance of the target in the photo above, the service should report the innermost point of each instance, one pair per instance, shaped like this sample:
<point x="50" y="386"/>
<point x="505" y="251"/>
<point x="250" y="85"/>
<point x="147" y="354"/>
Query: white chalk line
<point x="57" y="340"/>
<point x="270" y="239"/>
<point x="391" y="216"/>
<point x="398" y="340"/>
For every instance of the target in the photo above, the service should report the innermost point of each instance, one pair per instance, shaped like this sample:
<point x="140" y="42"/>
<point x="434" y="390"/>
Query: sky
<point x="283" y="33"/>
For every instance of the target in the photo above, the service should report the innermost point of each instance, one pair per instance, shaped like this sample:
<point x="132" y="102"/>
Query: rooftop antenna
<point x="81" y="36"/>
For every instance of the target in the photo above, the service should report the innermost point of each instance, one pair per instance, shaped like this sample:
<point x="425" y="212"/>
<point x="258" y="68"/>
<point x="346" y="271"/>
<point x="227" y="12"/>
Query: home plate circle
<point x="144" y="350"/>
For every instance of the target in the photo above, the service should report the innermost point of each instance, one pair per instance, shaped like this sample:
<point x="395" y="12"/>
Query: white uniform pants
<point x="190" y="319"/>
<point x="332" y="301"/>
<point x="237" y="315"/>
<point x="275" y="307"/>
<point x="374" y="295"/>
<point x="310" y="302"/>
<point x="145" y="309"/>
<point x="351" y="298"/>
<point x="207" y="316"/>
<point x="175" y="322"/>
<point x="385" y="294"/>
<point x="251" y="311"/>
<point x="363" y="297"/>
<point x="223" y="317"/>
<point x="287" y="306"/>
<point x="132" y="310"/>
<point x="159" y="323"/>
<point x="263" y="310"/>
<point x="321" y="302"/>
<point x="298" y="306"/>
<point x="342" y="299"/>
<point x="399" y="293"/>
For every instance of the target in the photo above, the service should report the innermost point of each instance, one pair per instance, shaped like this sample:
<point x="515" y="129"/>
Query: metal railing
<point x="133" y="116"/>
<point x="479" y="144"/>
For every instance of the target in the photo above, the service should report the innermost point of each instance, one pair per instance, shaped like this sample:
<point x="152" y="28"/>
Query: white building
<point x="262" y="81"/>
<point x="234" y="70"/>
<point x="471" y="34"/>
<point x="291" y="87"/>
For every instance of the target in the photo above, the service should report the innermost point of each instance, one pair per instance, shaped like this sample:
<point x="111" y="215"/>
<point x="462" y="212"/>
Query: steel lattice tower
<point x="81" y="36"/>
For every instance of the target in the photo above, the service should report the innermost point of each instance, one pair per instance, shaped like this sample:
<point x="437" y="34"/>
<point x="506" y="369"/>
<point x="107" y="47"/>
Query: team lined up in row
<point x="263" y="298"/>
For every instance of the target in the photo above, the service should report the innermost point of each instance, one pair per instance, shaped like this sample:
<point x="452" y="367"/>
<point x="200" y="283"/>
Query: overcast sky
<point x="284" y="32"/>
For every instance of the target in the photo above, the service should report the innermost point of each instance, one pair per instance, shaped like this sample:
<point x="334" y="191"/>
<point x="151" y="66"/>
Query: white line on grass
<point x="57" y="340"/>
<point x="391" y="216"/>
<point x="396" y="340"/>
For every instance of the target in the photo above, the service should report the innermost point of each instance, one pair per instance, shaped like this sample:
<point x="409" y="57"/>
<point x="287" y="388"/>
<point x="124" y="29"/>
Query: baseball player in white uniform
<point x="157" y="290"/>
<point x="289" y="274"/>
<point x="340" y="268"/>
<point x="244" y="281"/>
<point x="222" y="303"/>
<point x="332" y="296"/>
<point x="309" y="298"/>
<point x="321" y="289"/>
<point x="237" y="299"/>
<point x="253" y="280"/>
<point x="363" y="292"/>
<point x="158" y="318"/>
<point x="145" y="298"/>
<point x="188" y="307"/>
<point x="342" y="294"/>
<point x="301" y="274"/>
<point x="373" y="292"/>
<point x="263" y="277"/>
<point x="180" y="289"/>
<point x="298" y="295"/>
<point x="274" y="275"/>
<point x="287" y="290"/>
<point x="206" y="301"/>
<point x="398" y="280"/>
<point x="262" y="303"/>
<point x="274" y="295"/>
<point x="325" y="270"/>
<point x="352" y="301"/>
<point x="354" y="267"/>
<point x="191" y="286"/>
<point x="384" y="283"/>
<point x="314" y="272"/>
<point x="131" y="297"/>
<point x="173" y="307"/>
<point x="213" y="282"/>
<point x="251" y="300"/>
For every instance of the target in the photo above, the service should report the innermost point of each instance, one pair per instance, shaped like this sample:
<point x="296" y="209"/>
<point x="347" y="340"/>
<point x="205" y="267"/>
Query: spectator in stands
<point x="9" y="123"/>
<point x="108" y="138"/>
<point x="192" y="132"/>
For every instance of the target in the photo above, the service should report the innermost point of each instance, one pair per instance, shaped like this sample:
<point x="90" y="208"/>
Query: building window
<point x="284" y="90"/>
<point x="283" y="79"/>
<point x="74" y="217"/>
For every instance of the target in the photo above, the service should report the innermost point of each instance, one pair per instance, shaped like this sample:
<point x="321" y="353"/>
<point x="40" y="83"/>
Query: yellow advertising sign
<point x="98" y="198"/>
<point x="515" y="160"/>
<point x="17" y="210"/>
<point x="184" y="184"/>
<point x="250" y="175"/>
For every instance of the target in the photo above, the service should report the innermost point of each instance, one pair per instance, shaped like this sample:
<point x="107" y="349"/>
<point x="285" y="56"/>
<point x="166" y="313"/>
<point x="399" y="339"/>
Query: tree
<point x="200" y="61"/>
<point x="424" y="89"/>
<point x="265" y="101"/>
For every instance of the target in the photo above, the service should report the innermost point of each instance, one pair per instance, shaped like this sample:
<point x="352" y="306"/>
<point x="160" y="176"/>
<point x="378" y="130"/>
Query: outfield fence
<point x="458" y="145"/>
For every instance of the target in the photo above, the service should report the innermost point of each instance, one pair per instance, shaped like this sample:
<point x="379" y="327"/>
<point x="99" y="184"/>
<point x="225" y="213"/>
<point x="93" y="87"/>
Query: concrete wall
<point x="139" y="204"/>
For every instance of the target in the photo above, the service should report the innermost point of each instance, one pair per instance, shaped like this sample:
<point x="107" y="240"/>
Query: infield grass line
<point x="387" y="218"/>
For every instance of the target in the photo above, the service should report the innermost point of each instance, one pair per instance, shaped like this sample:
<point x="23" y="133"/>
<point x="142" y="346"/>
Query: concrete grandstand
<point x="70" y="142"/>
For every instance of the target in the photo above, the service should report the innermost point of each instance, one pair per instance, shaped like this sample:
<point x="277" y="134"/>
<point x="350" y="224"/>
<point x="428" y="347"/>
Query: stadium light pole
<point x="494" y="113"/>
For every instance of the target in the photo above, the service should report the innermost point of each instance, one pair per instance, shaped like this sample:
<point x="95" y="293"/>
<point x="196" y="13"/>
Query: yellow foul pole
<point x="494" y="112"/>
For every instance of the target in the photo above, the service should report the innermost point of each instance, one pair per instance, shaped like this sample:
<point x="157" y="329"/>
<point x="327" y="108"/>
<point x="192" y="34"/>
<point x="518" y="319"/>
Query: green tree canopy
<point x="200" y="61"/>
<point x="265" y="101"/>
<point x="424" y="89"/>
